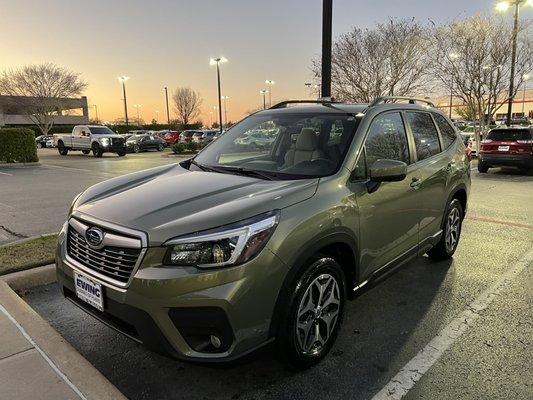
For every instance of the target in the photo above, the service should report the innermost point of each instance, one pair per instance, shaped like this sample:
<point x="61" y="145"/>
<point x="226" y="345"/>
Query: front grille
<point x="112" y="262"/>
<point x="117" y="142"/>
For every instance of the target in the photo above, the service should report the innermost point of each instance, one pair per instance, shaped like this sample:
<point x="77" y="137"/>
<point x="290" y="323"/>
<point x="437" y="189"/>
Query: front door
<point x="388" y="217"/>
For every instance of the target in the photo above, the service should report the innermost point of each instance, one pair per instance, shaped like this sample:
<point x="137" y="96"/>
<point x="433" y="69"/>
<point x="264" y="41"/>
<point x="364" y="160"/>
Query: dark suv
<point x="243" y="245"/>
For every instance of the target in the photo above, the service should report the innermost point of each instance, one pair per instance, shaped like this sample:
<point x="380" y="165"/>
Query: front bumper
<point x="174" y="310"/>
<point x="510" y="160"/>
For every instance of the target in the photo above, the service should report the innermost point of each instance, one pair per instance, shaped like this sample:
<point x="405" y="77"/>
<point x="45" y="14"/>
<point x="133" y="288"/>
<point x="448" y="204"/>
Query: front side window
<point x="386" y="139"/>
<point x="447" y="133"/>
<point x="282" y="145"/>
<point x="425" y="134"/>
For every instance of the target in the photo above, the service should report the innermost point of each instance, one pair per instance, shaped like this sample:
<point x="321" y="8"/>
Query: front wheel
<point x="136" y="148"/>
<point x="310" y="327"/>
<point x="161" y="147"/>
<point x="97" y="150"/>
<point x="121" y="153"/>
<point x="453" y="223"/>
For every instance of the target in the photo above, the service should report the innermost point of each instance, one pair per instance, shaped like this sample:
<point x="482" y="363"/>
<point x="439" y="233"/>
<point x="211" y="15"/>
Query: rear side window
<point x="511" y="135"/>
<point x="447" y="133"/>
<point x="424" y="134"/>
<point x="386" y="139"/>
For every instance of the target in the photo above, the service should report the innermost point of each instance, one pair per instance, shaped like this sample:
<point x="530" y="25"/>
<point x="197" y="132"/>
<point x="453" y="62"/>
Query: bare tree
<point x="187" y="104"/>
<point x="388" y="60"/>
<point x="40" y="90"/>
<point x="472" y="57"/>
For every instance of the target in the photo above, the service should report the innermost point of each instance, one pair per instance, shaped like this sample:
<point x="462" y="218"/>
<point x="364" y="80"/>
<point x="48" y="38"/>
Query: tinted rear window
<point x="509" y="134"/>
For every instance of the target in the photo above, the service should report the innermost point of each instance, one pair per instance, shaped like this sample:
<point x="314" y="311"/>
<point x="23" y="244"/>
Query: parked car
<point x="469" y="140"/>
<point x="187" y="136"/>
<point x="197" y="136"/>
<point x="217" y="256"/>
<point x="256" y="139"/>
<point x="96" y="138"/>
<point x="172" y="137"/>
<point x="50" y="142"/>
<point x="144" y="142"/>
<point x="209" y="135"/>
<point x="43" y="140"/>
<point x="512" y="146"/>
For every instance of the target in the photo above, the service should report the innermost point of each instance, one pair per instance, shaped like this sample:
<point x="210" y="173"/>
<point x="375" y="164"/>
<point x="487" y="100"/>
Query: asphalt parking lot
<point x="384" y="329"/>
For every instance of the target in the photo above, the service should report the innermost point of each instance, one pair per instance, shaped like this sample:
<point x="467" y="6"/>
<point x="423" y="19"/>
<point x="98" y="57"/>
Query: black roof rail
<point x="391" y="99"/>
<point x="285" y="103"/>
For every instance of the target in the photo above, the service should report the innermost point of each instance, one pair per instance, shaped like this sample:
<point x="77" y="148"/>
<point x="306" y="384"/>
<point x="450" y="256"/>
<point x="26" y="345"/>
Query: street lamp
<point x="453" y="57"/>
<point x="217" y="61"/>
<point x="137" y="106"/>
<point x="270" y="83"/>
<point x="503" y="6"/>
<point x="225" y="110"/>
<point x="123" y="79"/>
<point x="263" y="92"/>
<point x="525" y="78"/>
<point x="168" y="113"/>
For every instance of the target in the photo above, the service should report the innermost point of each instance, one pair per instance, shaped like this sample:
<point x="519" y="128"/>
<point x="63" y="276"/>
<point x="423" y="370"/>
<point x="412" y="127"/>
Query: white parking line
<point x="43" y="354"/>
<point x="411" y="373"/>
<point x="5" y="173"/>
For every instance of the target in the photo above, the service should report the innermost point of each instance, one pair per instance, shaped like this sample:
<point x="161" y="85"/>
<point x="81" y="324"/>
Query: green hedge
<point x="17" y="145"/>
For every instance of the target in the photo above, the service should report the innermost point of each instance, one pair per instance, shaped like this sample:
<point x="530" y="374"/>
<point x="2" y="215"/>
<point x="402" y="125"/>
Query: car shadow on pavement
<point x="383" y="328"/>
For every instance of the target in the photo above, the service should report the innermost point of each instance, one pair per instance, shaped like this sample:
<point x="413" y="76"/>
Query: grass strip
<point x="29" y="254"/>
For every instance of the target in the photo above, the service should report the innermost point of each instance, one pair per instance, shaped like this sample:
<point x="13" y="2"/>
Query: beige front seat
<point x="305" y="149"/>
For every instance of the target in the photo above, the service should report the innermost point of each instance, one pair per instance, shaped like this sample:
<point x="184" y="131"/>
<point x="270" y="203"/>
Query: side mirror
<point x="388" y="171"/>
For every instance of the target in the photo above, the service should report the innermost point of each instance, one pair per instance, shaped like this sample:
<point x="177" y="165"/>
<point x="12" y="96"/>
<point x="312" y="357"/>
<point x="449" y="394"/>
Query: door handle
<point x="415" y="183"/>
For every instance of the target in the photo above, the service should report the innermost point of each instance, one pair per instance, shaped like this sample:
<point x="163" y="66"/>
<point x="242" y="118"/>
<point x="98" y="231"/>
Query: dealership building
<point x="15" y="110"/>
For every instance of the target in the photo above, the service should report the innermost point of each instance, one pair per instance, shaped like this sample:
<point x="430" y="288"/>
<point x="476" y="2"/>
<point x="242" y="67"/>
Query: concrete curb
<point x="30" y="278"/>
<point x="19" y="165"/>
<point x="27" y="239"/>
<point x="81" y="374"/>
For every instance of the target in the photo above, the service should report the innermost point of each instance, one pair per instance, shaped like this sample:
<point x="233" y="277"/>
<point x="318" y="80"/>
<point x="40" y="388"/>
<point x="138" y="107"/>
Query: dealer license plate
<point x="503" y="148"/>
<point x="89" y="291"/>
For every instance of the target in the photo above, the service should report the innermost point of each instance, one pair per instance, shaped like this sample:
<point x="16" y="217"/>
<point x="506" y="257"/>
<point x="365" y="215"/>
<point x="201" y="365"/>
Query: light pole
<point x="225" y="110"/>
<point x="156" y="116"/>
<point x="168" y="113"/>
<point x="503" y="6"/>
<point x="270" y="83"/>
<point x="96" y="112"/>
<point x="217" y="61"/>
<point x="327" y="22"/>
<point x="123" y="79"/>
<point x="263" y="92"/>
<point x="453" y="57"/>
<point x="137" y="106"/>
<point x="525" y="78"/>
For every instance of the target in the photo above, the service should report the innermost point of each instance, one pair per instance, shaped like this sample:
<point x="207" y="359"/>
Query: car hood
<point x="171" y="201"/>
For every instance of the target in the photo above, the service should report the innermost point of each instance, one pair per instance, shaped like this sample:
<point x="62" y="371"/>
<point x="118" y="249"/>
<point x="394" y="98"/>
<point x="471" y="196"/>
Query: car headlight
<point x="104" y="141"/>
<point x="230" y="245"/>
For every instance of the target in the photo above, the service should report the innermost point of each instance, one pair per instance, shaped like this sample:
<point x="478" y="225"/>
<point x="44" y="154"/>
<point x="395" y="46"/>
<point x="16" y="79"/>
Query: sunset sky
<point x="169" y="42"/>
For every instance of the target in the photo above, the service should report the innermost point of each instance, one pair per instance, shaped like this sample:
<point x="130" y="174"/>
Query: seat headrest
<point x="306" y="140"/>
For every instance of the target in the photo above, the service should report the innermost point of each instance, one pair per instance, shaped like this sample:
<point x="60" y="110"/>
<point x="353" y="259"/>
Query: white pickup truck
<point x="96" y="138"/>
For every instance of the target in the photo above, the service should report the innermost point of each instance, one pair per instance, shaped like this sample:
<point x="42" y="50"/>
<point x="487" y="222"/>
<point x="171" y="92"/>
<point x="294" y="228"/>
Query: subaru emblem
<point x="94" y="236"/>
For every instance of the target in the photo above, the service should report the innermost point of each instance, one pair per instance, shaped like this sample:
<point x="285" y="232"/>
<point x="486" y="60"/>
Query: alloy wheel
<point x="318" y="313"/>
<point x="453" y="225"/>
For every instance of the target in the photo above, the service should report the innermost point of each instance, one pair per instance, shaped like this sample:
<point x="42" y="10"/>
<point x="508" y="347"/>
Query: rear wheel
<point x="97" y="150"/>
<point x="136" y="148"/>
<point x="451" y="232"/>
<point x="39" y="145"/>
<point x="86" y="151"/>
<point x="121" y="153"/>
<point x="62" y="149"/>
<point x="161" y="147"/>
<point x="482" y="168"/>
<point x="310" y="327"/>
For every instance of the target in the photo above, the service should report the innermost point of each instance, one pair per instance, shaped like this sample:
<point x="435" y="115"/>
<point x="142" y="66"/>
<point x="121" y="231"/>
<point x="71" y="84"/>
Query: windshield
<point x="509" y="134"/>
<point x="101" y="130"/>
<point x="282" y="146"/>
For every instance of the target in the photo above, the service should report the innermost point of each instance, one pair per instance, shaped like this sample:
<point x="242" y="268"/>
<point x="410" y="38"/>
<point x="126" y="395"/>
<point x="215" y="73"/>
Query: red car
<point x="172" y="137"/>
<point x="511" y="146"/>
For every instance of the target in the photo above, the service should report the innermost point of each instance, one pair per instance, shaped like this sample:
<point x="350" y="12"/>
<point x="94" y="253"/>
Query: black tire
<point x="161" y="147"/>
<point x="321" y="270"/>
<point x="39" y="145"/>
<point x="61" y="148"/>
<point x="482" y="168"/>
<point x="97" y="150"/>
<point x="447" y="244"/>
<point x="121" y="153"/>
<point x="136" y="148"/>
<point x="86" y="151"/>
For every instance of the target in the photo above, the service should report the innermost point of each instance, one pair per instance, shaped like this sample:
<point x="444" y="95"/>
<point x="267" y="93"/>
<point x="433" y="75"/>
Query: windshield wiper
<point x="203" y="167"/>
<point x="271" y="176"/>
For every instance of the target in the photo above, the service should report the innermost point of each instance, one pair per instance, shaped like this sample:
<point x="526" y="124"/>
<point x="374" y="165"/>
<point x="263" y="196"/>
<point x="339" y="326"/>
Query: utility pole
<point x="513" y="62"/>
<point x="327" y="21"/>
<point x="168" y="113"/>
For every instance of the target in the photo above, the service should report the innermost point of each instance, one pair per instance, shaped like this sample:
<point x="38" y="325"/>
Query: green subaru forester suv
<point x="247" y="243"/>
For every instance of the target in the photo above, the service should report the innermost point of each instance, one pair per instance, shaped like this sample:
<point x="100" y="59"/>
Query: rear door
<point x="432" y="169"/>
